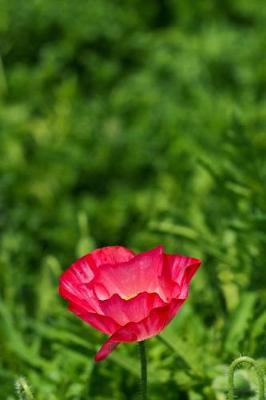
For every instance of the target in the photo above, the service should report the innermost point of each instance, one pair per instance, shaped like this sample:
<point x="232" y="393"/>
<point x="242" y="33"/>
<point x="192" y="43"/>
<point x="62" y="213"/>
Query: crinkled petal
<point x="150" y="326"/>
<point x="181" y="270"/>
<point x="111" y="255"/>
<point x="102" y="323"/>
<point x="133" y="310"/>
<point x="128" y="279"/>
<point x="75" y="282"/>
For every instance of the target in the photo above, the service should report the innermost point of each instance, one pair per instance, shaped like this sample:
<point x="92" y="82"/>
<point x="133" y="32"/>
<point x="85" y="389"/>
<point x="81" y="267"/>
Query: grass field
<point x="132" y="123"/>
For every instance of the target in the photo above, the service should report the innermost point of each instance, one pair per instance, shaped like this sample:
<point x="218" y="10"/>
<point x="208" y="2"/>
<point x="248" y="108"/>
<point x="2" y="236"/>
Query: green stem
<point x="143" y="370"/>
<point x="257" y="369"/>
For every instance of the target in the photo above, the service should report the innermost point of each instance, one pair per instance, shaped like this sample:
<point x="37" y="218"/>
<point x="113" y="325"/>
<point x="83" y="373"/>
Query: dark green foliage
<point x="132" y="123"/>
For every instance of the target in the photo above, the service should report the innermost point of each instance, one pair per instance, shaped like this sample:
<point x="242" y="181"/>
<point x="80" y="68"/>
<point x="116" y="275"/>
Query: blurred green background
<point x="133" y="123"/>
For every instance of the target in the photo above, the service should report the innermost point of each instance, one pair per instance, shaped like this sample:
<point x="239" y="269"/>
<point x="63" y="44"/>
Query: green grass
<point x="133" y="123"/>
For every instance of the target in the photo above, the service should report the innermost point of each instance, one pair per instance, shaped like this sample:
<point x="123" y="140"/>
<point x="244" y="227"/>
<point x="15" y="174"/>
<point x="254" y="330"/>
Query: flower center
<point x="128" y="297"/>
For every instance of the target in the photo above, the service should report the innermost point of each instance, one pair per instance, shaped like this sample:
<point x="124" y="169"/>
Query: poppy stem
<point x="258" y="370"/>
<point x="143" y="370"/>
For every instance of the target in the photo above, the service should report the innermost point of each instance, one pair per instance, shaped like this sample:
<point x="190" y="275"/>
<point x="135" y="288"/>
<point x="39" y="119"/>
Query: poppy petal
<point x="150" y="326"/>
<point x="181" y="269"/>
<point x="111" y="255"/>
<point x="74" y="284"/>
<point x="128" y="279"/>
<point x="133" y="310"/>
<point x="101" y="322"/>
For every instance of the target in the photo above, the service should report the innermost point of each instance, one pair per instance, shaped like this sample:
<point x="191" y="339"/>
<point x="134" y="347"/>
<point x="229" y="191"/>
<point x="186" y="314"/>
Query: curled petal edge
<point x="148" y="327"/>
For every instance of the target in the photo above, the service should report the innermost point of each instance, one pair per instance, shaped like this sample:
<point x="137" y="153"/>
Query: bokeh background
<point x="135" y="123"/>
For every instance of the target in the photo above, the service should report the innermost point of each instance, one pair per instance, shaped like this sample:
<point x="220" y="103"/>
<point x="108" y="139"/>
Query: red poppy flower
<point x="129" y="296"/>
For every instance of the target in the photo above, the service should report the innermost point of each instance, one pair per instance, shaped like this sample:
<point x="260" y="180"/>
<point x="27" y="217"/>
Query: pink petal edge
<point x="74" y="283"/>
<point x="128" y="279"/>
<point x="150" y="326"/>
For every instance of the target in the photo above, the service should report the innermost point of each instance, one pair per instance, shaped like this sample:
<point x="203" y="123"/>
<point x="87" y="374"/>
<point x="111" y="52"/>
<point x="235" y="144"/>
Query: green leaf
<point x="238" y="324"/>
